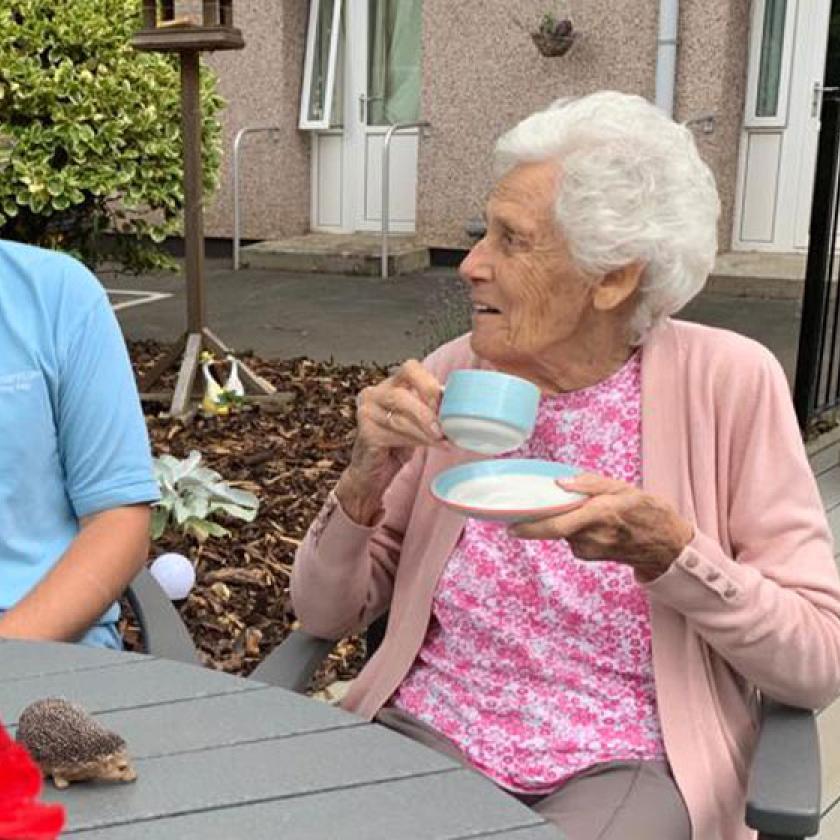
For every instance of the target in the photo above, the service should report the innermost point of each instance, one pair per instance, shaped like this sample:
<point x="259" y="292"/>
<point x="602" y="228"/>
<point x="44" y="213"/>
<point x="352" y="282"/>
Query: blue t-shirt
<point x="73" y="441"/>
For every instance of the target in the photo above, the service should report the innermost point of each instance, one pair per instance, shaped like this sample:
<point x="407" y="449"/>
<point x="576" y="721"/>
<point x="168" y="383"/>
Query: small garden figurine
<point x="71" y="746"/>
<point x="219" y="398"/>
<point x="234" y="385"/>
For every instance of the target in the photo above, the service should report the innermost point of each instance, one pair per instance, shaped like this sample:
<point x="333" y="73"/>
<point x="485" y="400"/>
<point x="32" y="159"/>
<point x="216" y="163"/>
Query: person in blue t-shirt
<point x="76" y="477"/>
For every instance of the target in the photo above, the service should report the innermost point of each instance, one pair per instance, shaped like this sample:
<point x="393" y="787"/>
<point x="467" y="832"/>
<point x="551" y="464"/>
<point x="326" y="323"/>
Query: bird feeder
<point x="176" y="25"/>
<point x="189" y="27"/>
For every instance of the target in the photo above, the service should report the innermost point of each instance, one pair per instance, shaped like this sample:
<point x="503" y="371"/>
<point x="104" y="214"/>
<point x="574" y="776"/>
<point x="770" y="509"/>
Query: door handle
<point x="817" y="97"/>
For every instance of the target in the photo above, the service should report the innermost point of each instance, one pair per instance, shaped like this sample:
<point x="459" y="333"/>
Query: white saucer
<point x="512" y="490"/>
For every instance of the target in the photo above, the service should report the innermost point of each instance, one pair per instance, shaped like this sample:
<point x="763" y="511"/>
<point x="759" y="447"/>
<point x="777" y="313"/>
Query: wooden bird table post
<point x="189" y="27"/>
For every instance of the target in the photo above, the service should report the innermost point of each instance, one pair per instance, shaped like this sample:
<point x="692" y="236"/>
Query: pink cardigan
<point x="752" y="603"/>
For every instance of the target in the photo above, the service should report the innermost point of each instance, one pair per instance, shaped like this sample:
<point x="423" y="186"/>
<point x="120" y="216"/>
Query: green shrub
<point x="96" y="132"/>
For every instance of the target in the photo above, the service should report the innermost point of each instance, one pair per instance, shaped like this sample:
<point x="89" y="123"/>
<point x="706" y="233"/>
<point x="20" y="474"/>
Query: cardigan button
<point x="712" y="576"/>
<point x="691" y="562"/>
<point x="730" y="592"/>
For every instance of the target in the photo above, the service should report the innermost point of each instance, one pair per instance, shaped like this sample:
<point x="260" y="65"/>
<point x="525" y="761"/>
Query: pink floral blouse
<point x="537" y="664"/>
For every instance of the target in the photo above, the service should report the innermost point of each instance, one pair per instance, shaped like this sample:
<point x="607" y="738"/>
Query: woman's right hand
<point x="393" y="418"/>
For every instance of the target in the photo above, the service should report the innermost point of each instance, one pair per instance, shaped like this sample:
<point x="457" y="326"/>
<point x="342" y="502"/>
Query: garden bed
<point x="289" y="457"/>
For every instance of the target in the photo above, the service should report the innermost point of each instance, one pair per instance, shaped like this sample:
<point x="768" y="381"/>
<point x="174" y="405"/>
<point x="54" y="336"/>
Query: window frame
<point x="304" y="121"/>
<point x="780" y="118"/>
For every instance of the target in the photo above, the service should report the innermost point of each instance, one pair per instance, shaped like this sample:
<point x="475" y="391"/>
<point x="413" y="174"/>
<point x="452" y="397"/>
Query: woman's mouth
<point x="483" y="309"/>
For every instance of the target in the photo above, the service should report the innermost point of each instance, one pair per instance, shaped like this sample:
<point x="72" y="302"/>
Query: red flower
<point x="22" y="817"/>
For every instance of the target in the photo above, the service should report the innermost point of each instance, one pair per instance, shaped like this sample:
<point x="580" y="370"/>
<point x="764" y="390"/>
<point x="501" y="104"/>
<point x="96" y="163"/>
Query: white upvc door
<point x="378" y="70"/>
<point x="781" y="124"/>
<point x="806" y="102"/>
<point x="322" y="107"/>
<point x="377" y="30"/>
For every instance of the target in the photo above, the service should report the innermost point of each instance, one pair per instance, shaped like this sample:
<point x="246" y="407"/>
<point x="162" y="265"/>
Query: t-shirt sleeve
<point x="102" y="435"/>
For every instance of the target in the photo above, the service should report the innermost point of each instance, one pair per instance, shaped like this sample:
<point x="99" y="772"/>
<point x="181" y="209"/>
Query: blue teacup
<point x="487" y="411"/>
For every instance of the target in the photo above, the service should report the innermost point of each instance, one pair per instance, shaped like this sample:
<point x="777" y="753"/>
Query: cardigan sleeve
<point x="343" y="574"/>
<point x="771" y="606"/>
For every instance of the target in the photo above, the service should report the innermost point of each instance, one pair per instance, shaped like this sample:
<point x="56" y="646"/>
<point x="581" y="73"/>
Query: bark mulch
<point x="289" y="457"/>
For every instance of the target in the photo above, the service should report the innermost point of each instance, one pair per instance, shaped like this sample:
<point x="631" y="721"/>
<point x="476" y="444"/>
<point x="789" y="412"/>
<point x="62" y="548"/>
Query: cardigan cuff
<point x="336" y="533"/>
<point x="701" y="576"/>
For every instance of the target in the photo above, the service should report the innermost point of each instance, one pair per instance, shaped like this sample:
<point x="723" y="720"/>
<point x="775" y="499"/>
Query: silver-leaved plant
<point x="192" y="494"/>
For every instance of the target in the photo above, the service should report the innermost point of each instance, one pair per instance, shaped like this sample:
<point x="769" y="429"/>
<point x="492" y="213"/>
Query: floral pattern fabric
<point x="537" y="664"/>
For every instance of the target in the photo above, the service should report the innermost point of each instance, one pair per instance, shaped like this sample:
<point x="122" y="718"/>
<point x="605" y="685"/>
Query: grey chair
<point x="783" y="797"/>
<point x="164" y="634"/>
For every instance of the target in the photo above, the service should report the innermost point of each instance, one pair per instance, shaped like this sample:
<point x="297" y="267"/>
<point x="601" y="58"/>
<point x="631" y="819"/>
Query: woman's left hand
<point x="618" y="522"/>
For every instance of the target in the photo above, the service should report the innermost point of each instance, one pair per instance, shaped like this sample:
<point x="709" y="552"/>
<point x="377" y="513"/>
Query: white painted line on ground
<point x="141" y="298"/>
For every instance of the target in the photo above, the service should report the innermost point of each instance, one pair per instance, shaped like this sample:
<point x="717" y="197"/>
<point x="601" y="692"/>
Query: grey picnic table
<point x="220" y="757"/>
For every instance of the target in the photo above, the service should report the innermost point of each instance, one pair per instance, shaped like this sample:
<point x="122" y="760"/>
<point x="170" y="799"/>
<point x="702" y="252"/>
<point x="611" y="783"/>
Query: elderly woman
<point x="603" y="664"/>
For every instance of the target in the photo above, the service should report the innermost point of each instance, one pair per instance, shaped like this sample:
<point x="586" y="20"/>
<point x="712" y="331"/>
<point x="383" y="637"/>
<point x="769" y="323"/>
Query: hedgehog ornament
<point x="69" y="745"/>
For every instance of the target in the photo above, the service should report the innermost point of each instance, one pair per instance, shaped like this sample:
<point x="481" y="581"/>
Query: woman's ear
<point x="617" y="286"/>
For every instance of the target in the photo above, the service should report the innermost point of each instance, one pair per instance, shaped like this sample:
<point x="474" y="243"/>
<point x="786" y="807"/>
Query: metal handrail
<point x="240" y="135"/>
<point x="386" y="168"/>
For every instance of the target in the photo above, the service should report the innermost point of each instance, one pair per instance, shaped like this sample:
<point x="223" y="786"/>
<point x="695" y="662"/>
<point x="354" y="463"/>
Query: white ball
<point x="175" y="574"/>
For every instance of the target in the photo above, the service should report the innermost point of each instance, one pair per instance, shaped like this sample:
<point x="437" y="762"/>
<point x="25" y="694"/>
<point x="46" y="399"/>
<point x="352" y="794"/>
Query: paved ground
<point x="355" y="319"/>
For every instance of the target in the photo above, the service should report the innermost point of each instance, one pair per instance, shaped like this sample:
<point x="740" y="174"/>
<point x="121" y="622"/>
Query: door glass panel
<point x="320" y="61"/>
<point x="337" y="109"/>
<point x="394" y="40"/>
<point x="770" y="65"/>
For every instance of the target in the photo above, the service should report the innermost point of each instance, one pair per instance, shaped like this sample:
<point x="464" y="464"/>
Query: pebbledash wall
<point x="261" y="85"/>
<point x="481" y="74"/>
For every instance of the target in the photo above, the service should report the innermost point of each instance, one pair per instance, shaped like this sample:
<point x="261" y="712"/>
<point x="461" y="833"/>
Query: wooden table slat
<point x="55" y="658"/>
<point x="120" y="686"/>
<point x="828" y="726"/>
<point x="545" y="831"/>
<point x="218" y="756"/>
<point x="444" y="806"/>
<point x="255" y="772"/>
<point x="219" y="721"/>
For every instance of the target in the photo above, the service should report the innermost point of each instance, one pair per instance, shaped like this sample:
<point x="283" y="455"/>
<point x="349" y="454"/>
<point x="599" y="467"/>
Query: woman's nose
<point x="475" y="266"/>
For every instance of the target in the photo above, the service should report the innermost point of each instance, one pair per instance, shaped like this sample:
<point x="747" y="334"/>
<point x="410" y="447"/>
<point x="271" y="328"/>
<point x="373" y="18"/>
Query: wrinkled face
<point x="529" y="299"/>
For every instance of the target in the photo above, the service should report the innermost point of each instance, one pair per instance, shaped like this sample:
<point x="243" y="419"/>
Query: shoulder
<point x="56" y="280"/>
<point x="718" y="354"/>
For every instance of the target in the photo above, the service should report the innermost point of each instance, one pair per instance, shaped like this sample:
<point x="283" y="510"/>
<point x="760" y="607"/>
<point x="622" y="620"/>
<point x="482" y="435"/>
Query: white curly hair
<point x="633" y="190"/>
